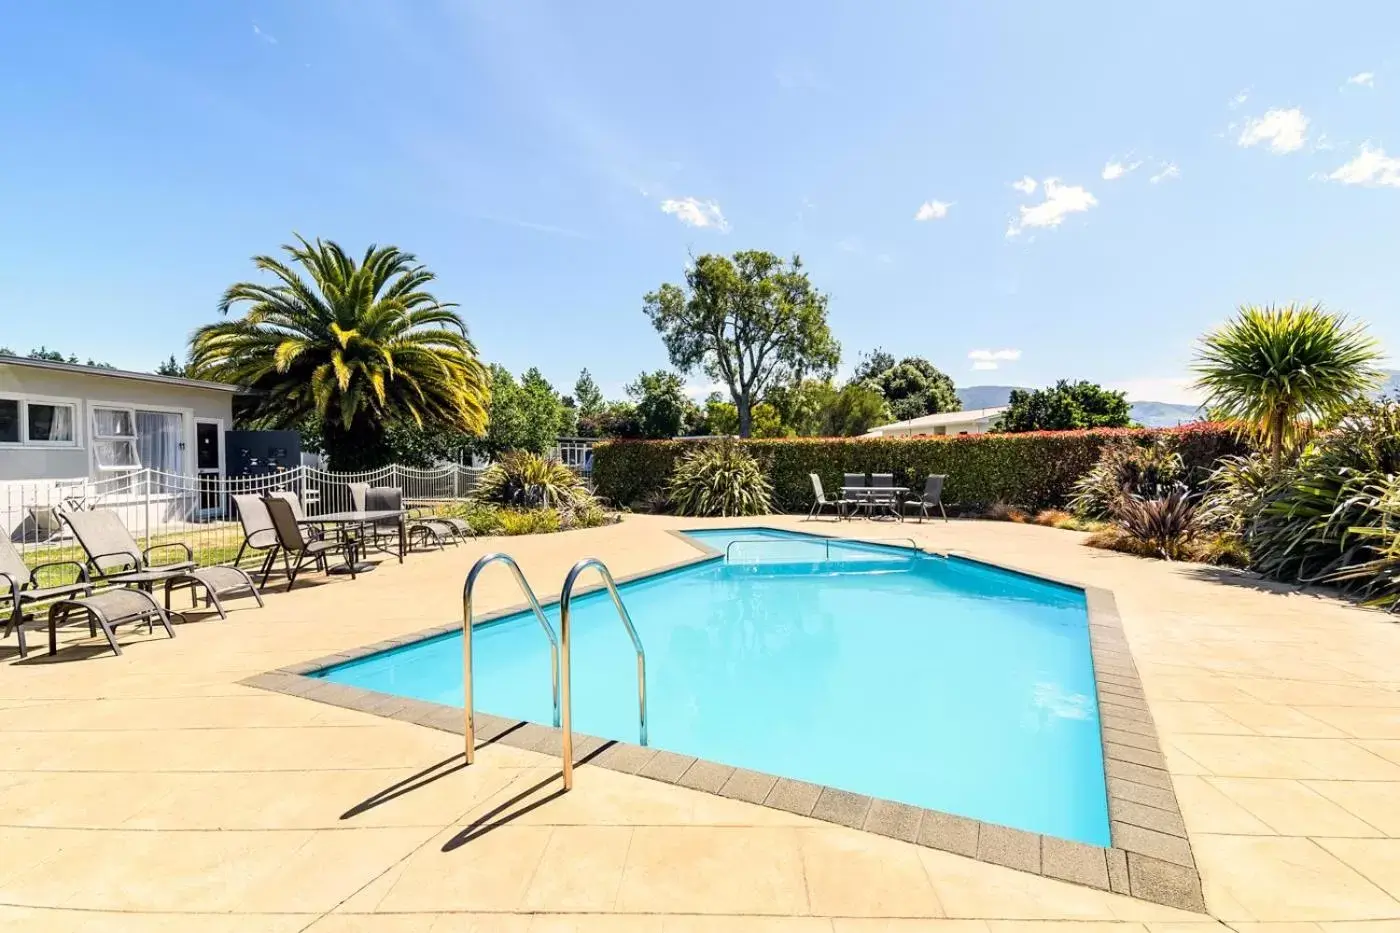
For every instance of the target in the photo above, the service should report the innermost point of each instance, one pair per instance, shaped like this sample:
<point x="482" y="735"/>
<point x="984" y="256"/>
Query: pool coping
<point x="1149" y="856"/>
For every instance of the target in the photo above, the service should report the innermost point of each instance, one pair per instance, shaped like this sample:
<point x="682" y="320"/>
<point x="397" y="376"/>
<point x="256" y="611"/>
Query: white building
<point x="974" y="421"/>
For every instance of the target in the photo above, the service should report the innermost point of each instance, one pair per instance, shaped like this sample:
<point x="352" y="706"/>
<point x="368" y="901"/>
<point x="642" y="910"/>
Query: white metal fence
<point x="197" y="510"/>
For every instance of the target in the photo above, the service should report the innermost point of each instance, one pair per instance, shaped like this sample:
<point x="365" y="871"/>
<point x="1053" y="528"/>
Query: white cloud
<point x="270" y="40"/>
<point x="696" y="213"/>
<point x="1113" y="169"/>
<point x="1061" y="200"/>
<point x="992" y="359"/>
<point x="1168" y="171"/>
<point x="1363" y="79"/>
<point x="1283" y="130"/>
<point x="1239" y="99"/>
<point x="1025" y="185"/>
<point x="1372" y="168"/>
<point x="932" y="210"/>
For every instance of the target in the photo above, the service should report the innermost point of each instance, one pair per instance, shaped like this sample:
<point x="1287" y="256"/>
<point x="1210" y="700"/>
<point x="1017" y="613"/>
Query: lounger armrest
<point x="78" y="565"/>
<point x="132" y="556"/>
<point x="146" y="554"/>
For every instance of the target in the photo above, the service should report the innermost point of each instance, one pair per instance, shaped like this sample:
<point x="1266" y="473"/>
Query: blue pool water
<point x="933" y="681"/>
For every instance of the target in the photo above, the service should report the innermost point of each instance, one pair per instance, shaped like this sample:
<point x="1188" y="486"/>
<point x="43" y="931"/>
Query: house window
<point x="50" y="423"/>
<point x="125" y="439"/>
<point x="38" y="422"/>
<point x="9" y="420"/>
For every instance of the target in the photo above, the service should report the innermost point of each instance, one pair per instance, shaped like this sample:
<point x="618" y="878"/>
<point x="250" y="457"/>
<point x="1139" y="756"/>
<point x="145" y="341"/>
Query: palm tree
<point x="360" y="348"/>
<point x="1275" y="369"/>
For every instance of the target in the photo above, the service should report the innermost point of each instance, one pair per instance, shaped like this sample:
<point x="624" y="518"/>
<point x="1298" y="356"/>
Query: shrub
<point x="1035" y="470"/>
<point x="1234" y="494"/>
<point x="1377" y="580"/>
<point x="484" y="518"/>
<point x="529" y="521"/>
<point x="1125" y="469"/>
<point x="525" y="480"/>
<point x="1165" y="527"/>
<point x="720" y="479"/>
<point x="1002" y="512"/>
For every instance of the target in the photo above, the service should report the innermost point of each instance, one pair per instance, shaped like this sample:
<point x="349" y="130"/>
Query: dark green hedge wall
<point x="1033" y="470"/>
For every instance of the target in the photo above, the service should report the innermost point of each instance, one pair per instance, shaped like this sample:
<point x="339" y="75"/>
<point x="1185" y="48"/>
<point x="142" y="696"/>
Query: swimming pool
<point x="932" y="681"/>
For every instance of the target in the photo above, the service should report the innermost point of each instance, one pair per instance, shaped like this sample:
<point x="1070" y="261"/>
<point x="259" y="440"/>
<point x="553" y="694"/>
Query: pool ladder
<point x="560" y="655"/>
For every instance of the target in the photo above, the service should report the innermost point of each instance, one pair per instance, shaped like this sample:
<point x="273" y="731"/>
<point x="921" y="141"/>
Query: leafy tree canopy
<point x="873" y="364"/>
<point x="53" y="356"/>
<point x="587" y="395"/>
<point x="1066" y="406"/>
<point x="173" y="367"/>
<point x="661" y="403"/>
<point x="915" y="387"/>
<point x="524" y="415"/>
<point x="751" y="322"/>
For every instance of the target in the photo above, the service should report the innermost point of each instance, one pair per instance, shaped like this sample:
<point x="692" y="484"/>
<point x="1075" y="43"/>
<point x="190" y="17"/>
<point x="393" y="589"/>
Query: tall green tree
<point x="1275" y="369"/>
<point x="359" y="345"/>
<point x="853" y="410"/>
<point x="915" y="387"/>
<point x="53" y="356"/>
<point x="751" y="321"/>
<point x="1066" y="406"/>
<point x="661" y="403"/>
<point x="525" y="415"/>
<point x="587" y="396"/>
<point x="173" y="367"/>
<point x="874" y="363"/>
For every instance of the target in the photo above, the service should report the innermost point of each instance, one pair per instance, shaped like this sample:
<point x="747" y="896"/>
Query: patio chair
<point x="858" y="499"/>
<point x="294" y="543"/>
<point x="932" y="496"/>
<point x="883" y="494"/>
<point x="114" y="556"/>
<point x="23" y="589"/>
<point x="390" y="498"/>
<point x="258" y="532"/>
<point x="109" y="608"/>
<point x="358" y="496"/>
<point x="821" y="500"/>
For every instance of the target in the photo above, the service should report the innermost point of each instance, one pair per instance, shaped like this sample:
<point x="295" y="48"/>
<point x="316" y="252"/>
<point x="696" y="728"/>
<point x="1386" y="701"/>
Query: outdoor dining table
<point x="868" y="497"/>
<point x="350" y="525"/>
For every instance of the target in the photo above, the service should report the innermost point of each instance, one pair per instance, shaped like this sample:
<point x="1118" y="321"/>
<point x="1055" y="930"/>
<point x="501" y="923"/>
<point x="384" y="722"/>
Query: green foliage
<point x="523" y="479"/>
<point x="529" y="521"/>
<point x="361" y="346"/>
<point x="853" y="411"/>
<point x="484" y="518"/>
<point x="751" y="322"/>
<point x="525" y="415"/>
<point x="1065" y="406"/>
<point x="661" y="403"/>
<point x="1324" y="517"/>
<point x="872" y="364"/>
<point x="1234" y="494"/>
<point x="587" y="395"/>
<point x="1377" y="578"/>
<point x="719" y="479"/>
<point x="53" y="356"/>
<point x="173" y="367"/>
<point x="1035" y="471"/>
<point x="617" y="419"/>
<point x="1274" y="369"/>
<point x="1124" y="470"/>
<point x="914" y="387"/>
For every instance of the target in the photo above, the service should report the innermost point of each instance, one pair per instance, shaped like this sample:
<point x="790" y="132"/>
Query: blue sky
<point x="552" y="162"/>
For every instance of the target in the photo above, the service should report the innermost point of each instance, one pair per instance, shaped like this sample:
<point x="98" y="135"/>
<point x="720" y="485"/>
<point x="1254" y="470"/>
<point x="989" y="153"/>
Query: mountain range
<point x="1147" y="414"/>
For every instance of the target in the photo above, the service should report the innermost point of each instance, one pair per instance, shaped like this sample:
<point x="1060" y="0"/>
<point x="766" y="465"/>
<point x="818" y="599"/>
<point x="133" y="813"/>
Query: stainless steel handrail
<point x="913" y="545"/>
<point x="467" y="588"/>
<point x="565" y="601"/>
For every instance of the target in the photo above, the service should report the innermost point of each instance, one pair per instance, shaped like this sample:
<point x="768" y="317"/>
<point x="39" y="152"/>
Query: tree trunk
<point x="745" y="414"/>
<point x="1276" y="442"/>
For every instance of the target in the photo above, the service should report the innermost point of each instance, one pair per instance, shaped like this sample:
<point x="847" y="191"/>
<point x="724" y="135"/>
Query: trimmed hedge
<point x="1034" y="470"/>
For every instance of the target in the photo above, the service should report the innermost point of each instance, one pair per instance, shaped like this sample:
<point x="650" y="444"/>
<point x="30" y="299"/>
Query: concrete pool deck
<point x="154" y="792"/>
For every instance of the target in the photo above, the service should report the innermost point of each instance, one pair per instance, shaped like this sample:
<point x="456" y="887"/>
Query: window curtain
<point x="52" y="423"/>
<point x="159" y="435"/>
<point x="111" y="422"/>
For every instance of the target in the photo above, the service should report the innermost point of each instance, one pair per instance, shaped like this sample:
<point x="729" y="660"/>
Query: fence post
<point x="146" y="500"/>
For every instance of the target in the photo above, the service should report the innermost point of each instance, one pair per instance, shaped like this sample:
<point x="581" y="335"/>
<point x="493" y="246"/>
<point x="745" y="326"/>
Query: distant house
<point x="65" y="421"/>
<point x="975" y="421"/>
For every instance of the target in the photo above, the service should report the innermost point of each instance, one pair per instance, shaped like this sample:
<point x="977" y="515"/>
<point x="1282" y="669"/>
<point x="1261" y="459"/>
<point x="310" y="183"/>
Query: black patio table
<point x="350" y="524"/>
<point x="870" y="496"/>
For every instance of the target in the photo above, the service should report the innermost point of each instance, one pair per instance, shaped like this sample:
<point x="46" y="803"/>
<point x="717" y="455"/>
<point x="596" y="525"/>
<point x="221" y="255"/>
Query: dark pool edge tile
<point x="1146" y="864"/>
